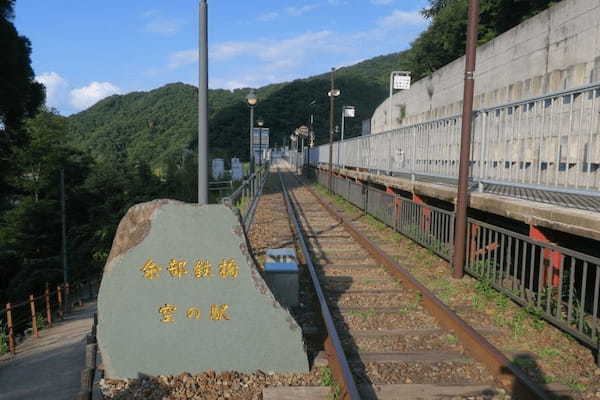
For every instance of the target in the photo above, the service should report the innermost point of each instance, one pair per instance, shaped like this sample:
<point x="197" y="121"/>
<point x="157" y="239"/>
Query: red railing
<point x="38" y="312"/>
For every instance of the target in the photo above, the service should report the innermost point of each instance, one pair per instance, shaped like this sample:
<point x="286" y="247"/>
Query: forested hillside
<point x="158" y="126"/>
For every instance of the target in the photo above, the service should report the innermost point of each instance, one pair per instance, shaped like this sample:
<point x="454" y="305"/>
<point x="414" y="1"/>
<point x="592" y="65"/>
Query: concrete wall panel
<point x="555" y="50"/>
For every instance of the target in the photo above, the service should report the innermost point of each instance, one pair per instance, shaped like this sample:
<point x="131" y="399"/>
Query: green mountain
<point x="158" y="126"/>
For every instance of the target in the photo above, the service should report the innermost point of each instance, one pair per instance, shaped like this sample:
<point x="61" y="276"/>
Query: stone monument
<point x="181" y="293"/>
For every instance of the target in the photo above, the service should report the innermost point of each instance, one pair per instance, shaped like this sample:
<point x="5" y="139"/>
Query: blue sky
<point x="84" y="51"/>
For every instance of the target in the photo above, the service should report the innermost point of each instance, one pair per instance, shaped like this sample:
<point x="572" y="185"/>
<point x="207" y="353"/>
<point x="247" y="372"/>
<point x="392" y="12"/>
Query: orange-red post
<point x="397" y="203"/>
<point x="551" y="257"/>
<point x="59" y="299"/>
<point x="48" y="309"/>
<point x="11" y="333"/>
<point x="33" y="321"/>
<point x="473" y="252"/>
<point x="67" y="299"/>
<point x="426" y="212"/>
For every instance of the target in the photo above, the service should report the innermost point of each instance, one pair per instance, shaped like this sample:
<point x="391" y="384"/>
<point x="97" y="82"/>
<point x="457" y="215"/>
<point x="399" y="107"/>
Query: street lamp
<point x="333" y="93"/>
<point x="347" y="111"/>
<point x="251" y="99"/>
<point x="260" y="124"/>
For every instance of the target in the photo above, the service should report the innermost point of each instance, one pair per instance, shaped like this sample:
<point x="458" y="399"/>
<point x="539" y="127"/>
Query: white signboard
<point x="349" y="112"/>
<point x="237" y="172"/>
<point x="401" y="82"/>
<point x="302" y="131"/>
<point x="218" y="168"/>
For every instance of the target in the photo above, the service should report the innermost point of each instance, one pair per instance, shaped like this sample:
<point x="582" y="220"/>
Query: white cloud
<point x="84" y="97"/>
<point x="56" y="88"/>
<point x="298" y="11"/>
<point x="268" y="16"/>
<point x="165" y="27"/>
<point x="150" y="13"/>
<point x="182" y="58"/>
<point x="272" y="50"/>
<point x="157" y="23"/>
<point x="262" y="61"/>
<point x="382" y="2"/>
<point x="400" y="18"/>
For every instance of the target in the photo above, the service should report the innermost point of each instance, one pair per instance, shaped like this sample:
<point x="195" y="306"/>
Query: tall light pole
<point x="347" y="111"/>
<point x="251" y="99"/>
<point x="333" y="93"/>
<point x="462" y="200"/>
<point x="260" y="124"/>
<point x="63" y="218"/>
<point x="311" y="134"/>
<point x="203" y="106"/>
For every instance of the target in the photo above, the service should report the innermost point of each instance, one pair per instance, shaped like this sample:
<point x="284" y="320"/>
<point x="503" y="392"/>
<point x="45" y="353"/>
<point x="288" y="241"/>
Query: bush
<point x="3" y="339"/>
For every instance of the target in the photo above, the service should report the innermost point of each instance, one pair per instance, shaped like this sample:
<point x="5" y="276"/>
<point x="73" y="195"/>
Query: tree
<point x="20" y="95"/>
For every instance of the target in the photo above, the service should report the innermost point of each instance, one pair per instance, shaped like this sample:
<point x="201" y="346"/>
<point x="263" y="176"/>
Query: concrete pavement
<point x="48" y="367"/>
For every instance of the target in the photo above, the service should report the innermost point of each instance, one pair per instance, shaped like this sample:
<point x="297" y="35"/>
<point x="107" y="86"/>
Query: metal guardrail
<point x="245" y="198"/>
<point x="549" y="143"/>
<point x="557" y="284"/>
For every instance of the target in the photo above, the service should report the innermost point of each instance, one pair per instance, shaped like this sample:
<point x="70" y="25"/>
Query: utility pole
<point x="63" y="217"/>
<point x="331" y="116"/>
<point x="462" y="197"/>
<point x="203" y="106"/>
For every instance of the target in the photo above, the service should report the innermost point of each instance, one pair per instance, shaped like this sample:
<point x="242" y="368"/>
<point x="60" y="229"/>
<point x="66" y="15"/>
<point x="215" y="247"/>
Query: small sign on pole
<point x="401" y="81"/>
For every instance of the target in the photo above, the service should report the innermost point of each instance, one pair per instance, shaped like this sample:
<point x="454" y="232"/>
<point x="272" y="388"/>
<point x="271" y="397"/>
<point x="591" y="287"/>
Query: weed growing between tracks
<point x="327" y="380"/>
<point x="40" y="321"/>
<point x="547" y="354"/>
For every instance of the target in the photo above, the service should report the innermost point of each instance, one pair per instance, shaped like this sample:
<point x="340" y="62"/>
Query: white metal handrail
<point x="551" y="142"/>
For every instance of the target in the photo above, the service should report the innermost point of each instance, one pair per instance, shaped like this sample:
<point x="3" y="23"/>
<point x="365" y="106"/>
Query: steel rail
<point x="333" y="345"/>
<point x="249" y="217"/>
<point x="474" y="343"/>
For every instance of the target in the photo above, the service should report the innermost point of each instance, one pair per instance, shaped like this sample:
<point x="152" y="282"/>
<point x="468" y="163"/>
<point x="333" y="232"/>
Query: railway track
<point x="387" y="335"/>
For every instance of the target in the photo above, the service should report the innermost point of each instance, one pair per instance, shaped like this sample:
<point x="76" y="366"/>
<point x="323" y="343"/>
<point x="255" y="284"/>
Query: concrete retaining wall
<point x="555" y="50"/>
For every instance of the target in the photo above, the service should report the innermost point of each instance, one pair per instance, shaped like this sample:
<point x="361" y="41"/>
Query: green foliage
<point x="160" y="127"/>
<point x="98" y="193"/>
<point x="451" y="339"/>
<point x="20" y="94"/>
<point x="328" y="380"/>
<point x="3" y="339"/>
<point x="40" y="321"/>
<point x="327" y="377"/>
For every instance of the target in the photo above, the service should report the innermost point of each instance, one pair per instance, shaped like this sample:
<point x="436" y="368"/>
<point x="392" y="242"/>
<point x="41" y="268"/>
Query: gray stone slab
<point x="156" y="321"/>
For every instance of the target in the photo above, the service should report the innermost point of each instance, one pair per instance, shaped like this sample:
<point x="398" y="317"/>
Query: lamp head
<point x="251" y="98"/>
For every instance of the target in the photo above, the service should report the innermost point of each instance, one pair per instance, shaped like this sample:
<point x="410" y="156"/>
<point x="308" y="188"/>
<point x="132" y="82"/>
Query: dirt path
<point x="48" y="367"/>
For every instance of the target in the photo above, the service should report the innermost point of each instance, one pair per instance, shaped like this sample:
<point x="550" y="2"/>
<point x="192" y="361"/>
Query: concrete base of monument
<point x="181" y="293"/>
